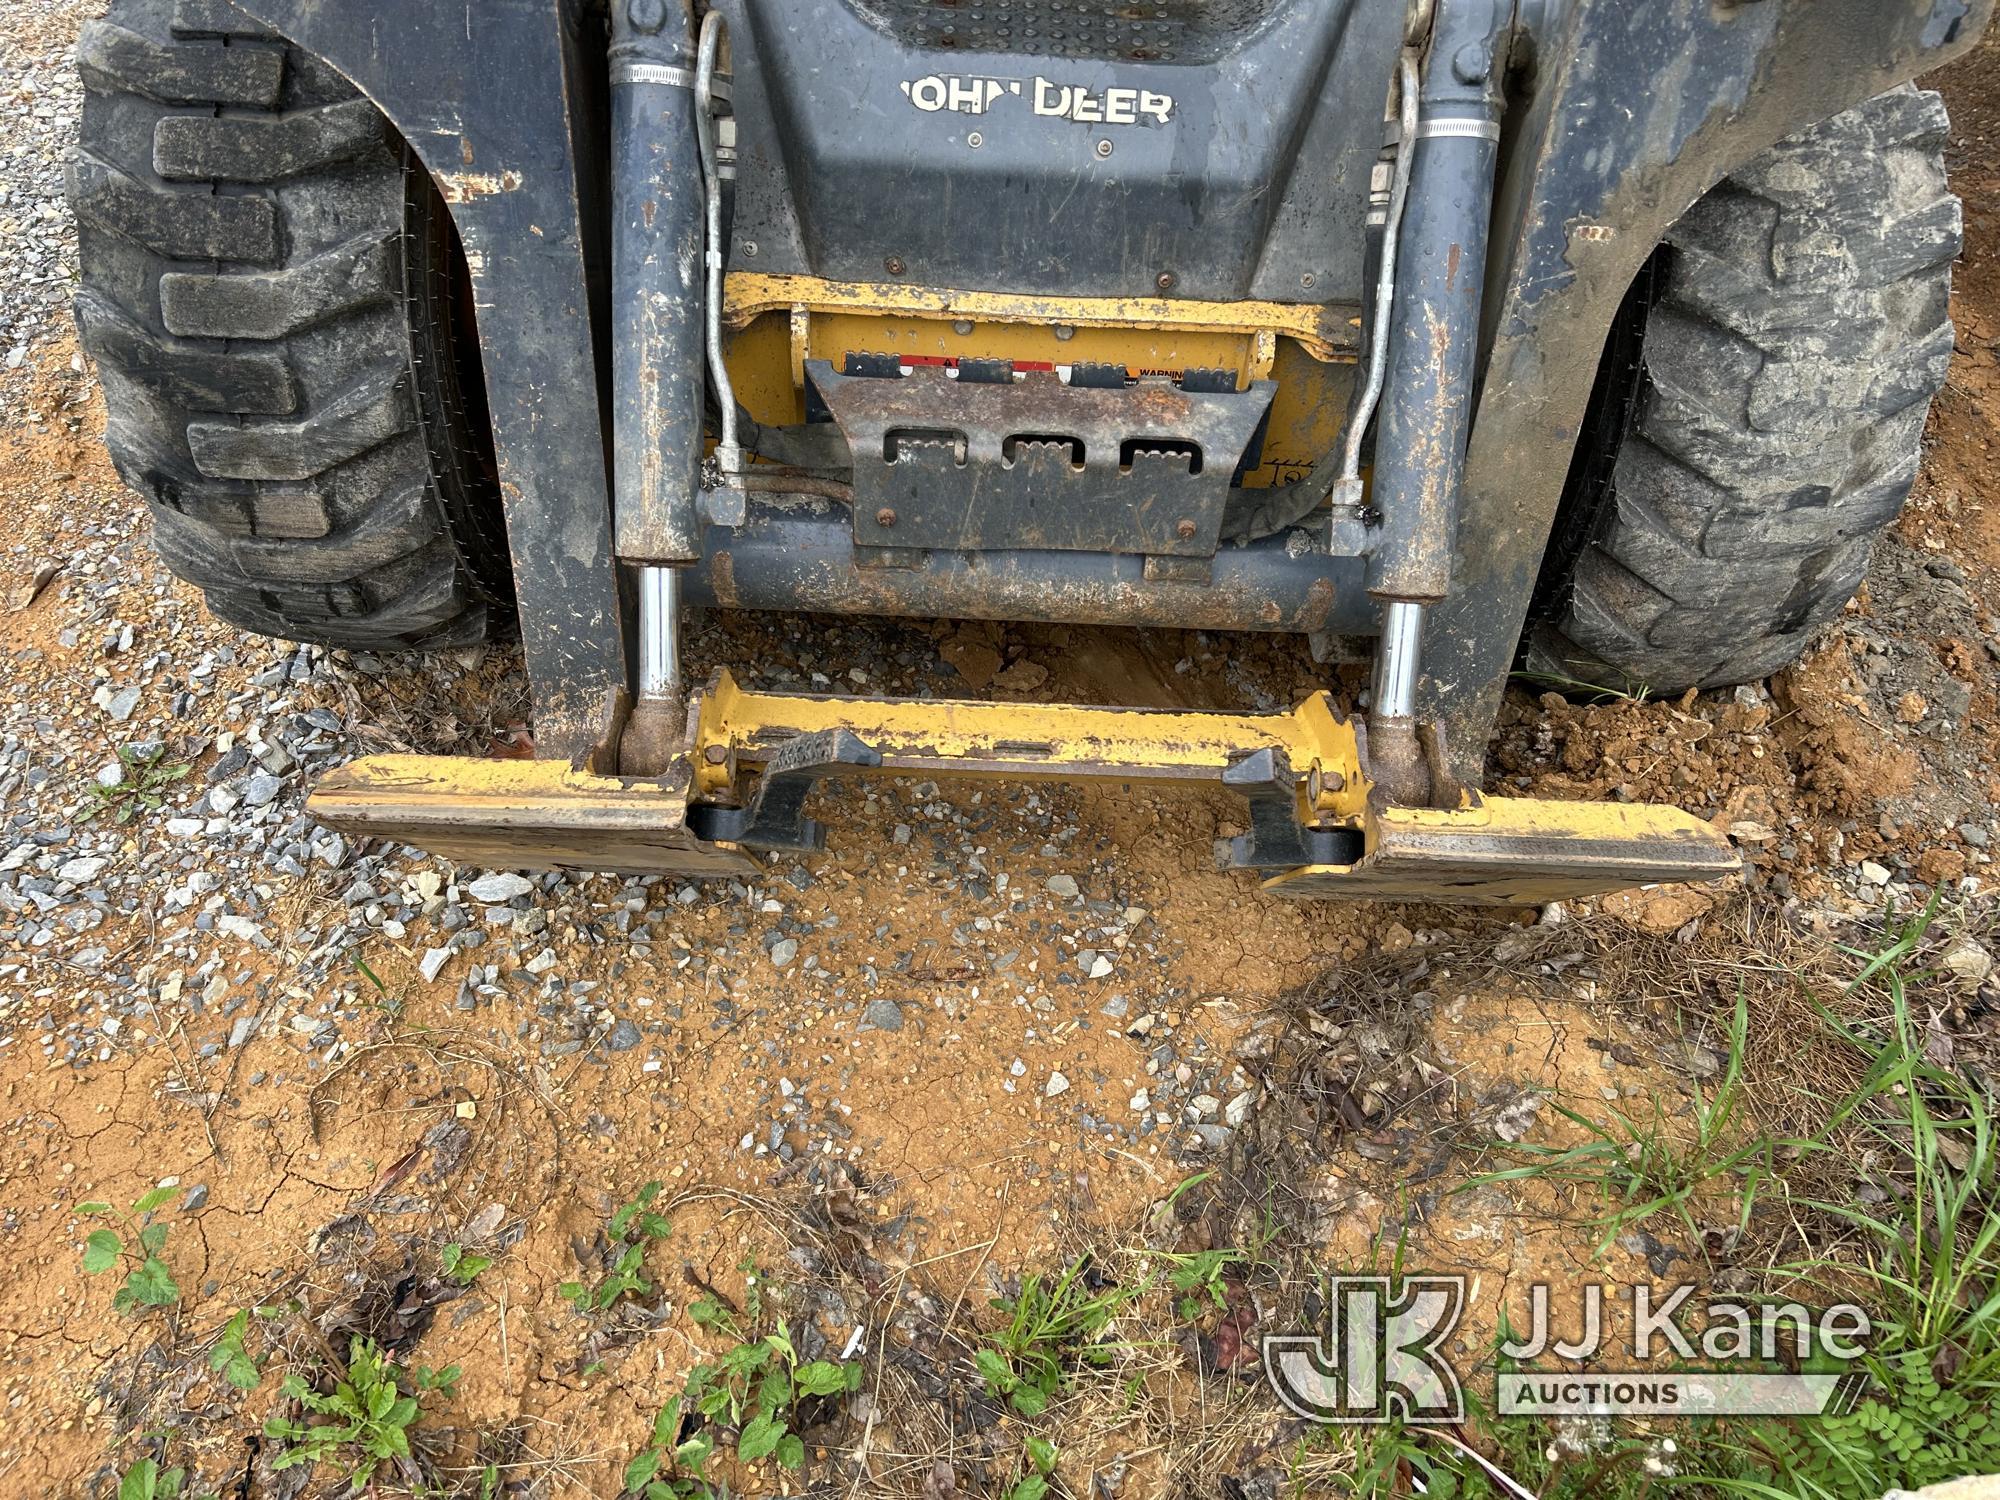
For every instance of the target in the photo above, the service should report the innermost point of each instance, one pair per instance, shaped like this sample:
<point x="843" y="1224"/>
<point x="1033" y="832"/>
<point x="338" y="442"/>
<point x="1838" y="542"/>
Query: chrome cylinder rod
<point x="1398" y="659"/>
<point x="659" y="634"/>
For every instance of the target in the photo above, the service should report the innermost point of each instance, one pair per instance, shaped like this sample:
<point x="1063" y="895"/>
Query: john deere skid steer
<point x="1447" y="333"/>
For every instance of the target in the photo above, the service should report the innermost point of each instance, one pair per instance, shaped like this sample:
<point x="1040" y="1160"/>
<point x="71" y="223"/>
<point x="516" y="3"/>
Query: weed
<point x="136" y="1244"/>
<point x="460" y="1266"/>
<point x="754" y="1389"/>
<point x="1048" y="1330"/>
<point x="232" y="1360"/>
<point x="632" y="1231"/>
<point x="1197" y="1279"/>
<point x="1041" y="1456"/>
<point x="369" y="1415"/>
<point x="146" y="1480"/>
<point x="148" y="777"/>
<point x="1640" y="1167"/>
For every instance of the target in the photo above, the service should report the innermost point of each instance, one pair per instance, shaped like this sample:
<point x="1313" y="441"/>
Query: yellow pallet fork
<point x="1318" y="825"/>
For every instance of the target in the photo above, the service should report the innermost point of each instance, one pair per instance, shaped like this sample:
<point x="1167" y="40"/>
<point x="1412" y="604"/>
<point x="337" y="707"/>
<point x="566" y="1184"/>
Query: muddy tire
<point x="1759" y="411"/>
<point x="273" y="294"/>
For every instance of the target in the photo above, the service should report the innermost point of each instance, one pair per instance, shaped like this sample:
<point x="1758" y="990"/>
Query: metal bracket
<point x="988" y="461"/>
<point x="1277" y="840"/>
<point x="774" y="817"/>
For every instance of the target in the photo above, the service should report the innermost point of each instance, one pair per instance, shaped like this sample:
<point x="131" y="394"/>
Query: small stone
<point x="80" y="870"/>
<point x="1115" y="1007"/>
<point x="1967" y="962"/>
<point x="432" y="963"/>
<point x="261" y="790"/>
<point x="1141" y="1102"/>
<point x="1911" y="707"/>
<point x="1205" y="1105"/>
<point x="498" y="890"/>
<point x="1513" y="1121"/>
<point x="1063" y="886"/>
<point x="1873" y="873"/>
<point x="194" y="1198"/>
<point x="111" y="774"/>
<point x="1237" y="1110"/>
<point x="243" y="1030"/>
<point x="784" y="951"/>
<point x="122" y="704"/>
<point x="1057" y="1084"/>
<point x="882" y="1015"/>
<point x="184" y="828"/>
<point x="623" y="1037"/>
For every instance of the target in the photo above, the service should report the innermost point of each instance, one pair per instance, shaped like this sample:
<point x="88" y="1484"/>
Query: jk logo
<point x="1380" y="1357"/>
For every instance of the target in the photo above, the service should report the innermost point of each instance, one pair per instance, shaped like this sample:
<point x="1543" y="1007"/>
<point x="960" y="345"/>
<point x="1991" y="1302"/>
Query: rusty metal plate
<point x="983" y="464"/>
<point x="1507" y="851"/>
<point x="521" y="815"/>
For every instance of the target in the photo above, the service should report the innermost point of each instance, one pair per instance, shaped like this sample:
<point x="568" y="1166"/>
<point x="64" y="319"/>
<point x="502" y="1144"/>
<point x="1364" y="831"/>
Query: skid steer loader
<point x="1449" y="333"/>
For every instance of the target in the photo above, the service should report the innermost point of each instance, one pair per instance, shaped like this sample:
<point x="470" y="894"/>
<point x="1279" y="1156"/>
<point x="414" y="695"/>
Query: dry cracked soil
<point x="991" y="1032"/>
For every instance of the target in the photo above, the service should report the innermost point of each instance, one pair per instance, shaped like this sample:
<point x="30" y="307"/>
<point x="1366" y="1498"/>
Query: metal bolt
<point x="885" y="517"/>
<point x="974" y="139"/>
<point x="1064" y="333"/>
<point x="1166" y="281"/>
<point x="648" y="16"/>
<point x="1103" y="148"/>
<point x="893" y="265"/>
<point x="716" y="755"/>
<point x="961" y="326"/>
<point x="1308" y="281"/>
<point x="749" y="247"/>
<point x="1472" y="63"/>
<point x="1184" y="529"/>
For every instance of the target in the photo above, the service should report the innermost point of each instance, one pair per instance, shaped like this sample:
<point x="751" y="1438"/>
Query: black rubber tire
<point x="1733" y="476"/>
<point x="273" y="294"/>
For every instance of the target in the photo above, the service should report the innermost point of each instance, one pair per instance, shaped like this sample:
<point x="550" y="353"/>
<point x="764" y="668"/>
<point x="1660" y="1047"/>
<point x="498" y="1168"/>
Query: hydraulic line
<point x="1347" y="487"/>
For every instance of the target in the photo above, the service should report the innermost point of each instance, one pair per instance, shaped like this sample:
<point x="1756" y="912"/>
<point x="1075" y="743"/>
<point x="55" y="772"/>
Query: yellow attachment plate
<point x="513" y="814"/>
<point x="1027" y="741"/>
<point x="1508" y="851"/>
<point x="746" y="295"/>
<point x="521" y="815"/>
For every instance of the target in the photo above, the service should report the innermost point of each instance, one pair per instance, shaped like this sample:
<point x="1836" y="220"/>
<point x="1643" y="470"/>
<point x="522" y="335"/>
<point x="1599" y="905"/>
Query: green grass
<point x="1921" y="1251"/>
<point x="1638" y="692"/>
<point x="1642" y="1165"/>
<point x="1926" y="1259"/>
<point x="1052" y="1329"/>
